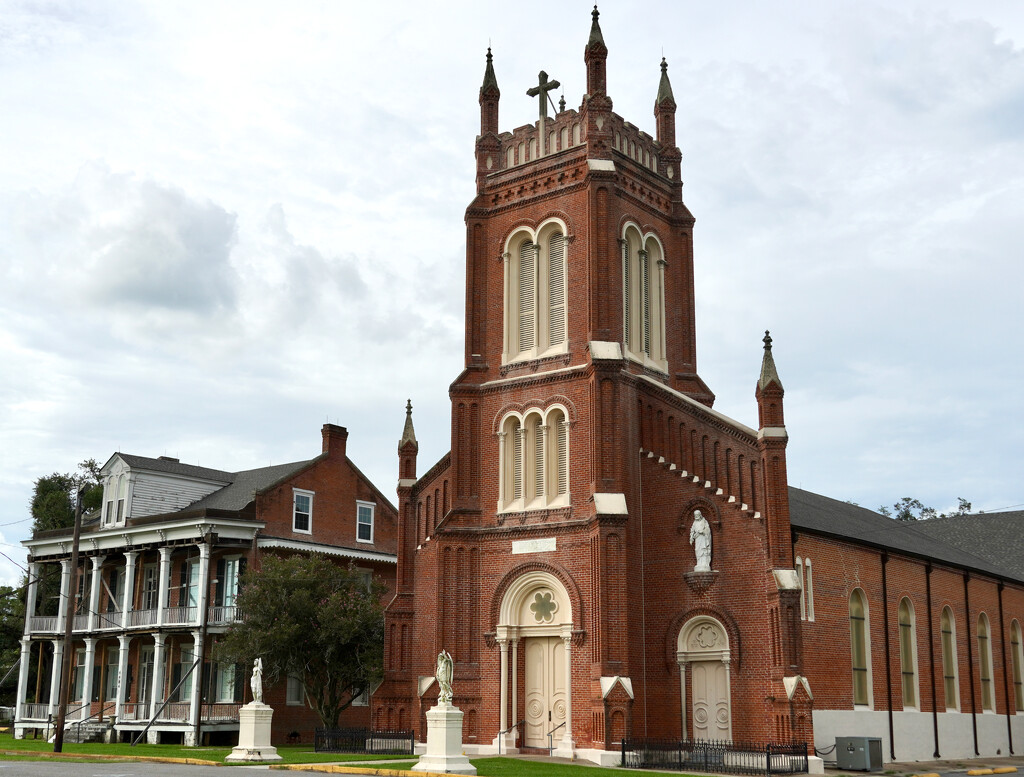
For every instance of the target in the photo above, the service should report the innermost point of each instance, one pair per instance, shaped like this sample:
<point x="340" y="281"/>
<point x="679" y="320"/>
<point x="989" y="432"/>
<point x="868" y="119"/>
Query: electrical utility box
<point x="862" y="754"/>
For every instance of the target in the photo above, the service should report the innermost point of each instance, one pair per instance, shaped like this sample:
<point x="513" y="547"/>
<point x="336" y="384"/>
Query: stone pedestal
<point x="444" y="743"/>
<point x="254" y="734"/>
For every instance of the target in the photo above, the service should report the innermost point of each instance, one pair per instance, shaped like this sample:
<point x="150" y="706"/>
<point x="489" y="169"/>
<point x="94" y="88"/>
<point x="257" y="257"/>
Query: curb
<point x="108" y="757"/>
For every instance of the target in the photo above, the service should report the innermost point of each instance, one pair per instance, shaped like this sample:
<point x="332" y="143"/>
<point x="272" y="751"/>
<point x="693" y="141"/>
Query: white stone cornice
<point x="778" y="432"/>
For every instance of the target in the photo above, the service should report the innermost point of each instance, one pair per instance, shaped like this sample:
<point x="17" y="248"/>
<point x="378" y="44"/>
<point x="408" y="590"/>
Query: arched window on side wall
<point x="534" y="460"/>
<point x="643" y="298"/>
<point x="985" y="664"/>
<point x="950" y="677"/>
<point x="908" y="653"/>
<point x="1016" y="659"/>
<point x="860" y="649"/>
<point x="536" y="314"/>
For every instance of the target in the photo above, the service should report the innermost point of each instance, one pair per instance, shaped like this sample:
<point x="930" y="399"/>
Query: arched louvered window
<point x="536" y="275"/>
<point x="988" y="703"/>
<point x="908" y="653"/>
<point x="950" y="677"/>
<point x="643" y="298"/>
<point x="860" y="649"/>
<point x="1016" y="659"/>
<point x="534" y="460"/>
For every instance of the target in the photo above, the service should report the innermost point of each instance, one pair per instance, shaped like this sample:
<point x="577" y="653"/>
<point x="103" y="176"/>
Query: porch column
<point x="65" y="594"/>
<point x="566" y="745"/>
<point x="156" y="698"/>
<point x="124" y="643"/>
<point x="129" y="585"/>
<point x="194" y="697"/>
<point x="23" y="670"/>
<point x="503" y="696"/>
<point x="515" y="687"/>
<point x="682" y="697"/>
<point x="30" y="595"/>
<point x="94" y="592"/>
<point x="165" y="577"/>
<point x="90" y="660"/>
<point x="58" y="658"/>
<point x="204" y="582"/>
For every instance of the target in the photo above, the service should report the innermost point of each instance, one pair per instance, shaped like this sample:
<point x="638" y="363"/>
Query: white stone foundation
<point x="254" y="734"/>
<point x="444" y="743"/>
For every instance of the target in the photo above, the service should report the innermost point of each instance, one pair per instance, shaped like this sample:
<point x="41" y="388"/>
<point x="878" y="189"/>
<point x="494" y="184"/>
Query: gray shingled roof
<point x="174" y="467"/>
<point x="823" y="515"/>
<point x="239" y="492"/>
<point x="997" y="536"/>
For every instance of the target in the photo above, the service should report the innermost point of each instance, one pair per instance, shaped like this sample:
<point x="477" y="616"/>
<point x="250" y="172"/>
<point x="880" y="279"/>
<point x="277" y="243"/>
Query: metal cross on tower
<point x="542" y="88"/>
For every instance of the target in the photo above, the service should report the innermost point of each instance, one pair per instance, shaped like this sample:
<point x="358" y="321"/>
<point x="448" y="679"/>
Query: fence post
<point x="768" y="759"/>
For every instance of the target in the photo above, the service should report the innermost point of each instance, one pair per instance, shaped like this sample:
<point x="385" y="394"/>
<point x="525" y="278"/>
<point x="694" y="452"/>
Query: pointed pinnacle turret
<point x="768" y="372"/>
<point x="490" y="83"/>
<point x="595" y="29"/>
<point x="664" y="87"/>
<point x="408" y="434"/>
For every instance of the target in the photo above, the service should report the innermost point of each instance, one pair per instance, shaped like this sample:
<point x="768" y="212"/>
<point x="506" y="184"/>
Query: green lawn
<point x="517" y="767"/>
<point x="290" y="754"/>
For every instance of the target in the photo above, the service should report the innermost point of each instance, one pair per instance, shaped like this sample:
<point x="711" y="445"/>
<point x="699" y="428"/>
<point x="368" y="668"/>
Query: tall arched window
<point x="535" y="293"/>
<point x="908" y="653"/>
<point x="950" y="677"/>
<point x="860" y="649"/>
<point x="534" y="460"/>
<point x="1016" y="658"/>
<point x="988" y="703"/>
<point x="643" y="298"/>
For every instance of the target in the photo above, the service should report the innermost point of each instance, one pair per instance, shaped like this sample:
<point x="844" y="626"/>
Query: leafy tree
<point x="12" y="623"/>
<point x="909" y="509"/>
<point x="53" y="497"/>
<point x="306" y="616"/>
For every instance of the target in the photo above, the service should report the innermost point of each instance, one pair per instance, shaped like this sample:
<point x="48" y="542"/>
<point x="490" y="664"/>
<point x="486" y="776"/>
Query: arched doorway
<point x="703" y="649"/>
<point x="536" y="612"/>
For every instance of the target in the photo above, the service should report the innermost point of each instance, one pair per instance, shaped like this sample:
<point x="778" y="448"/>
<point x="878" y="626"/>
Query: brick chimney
<point x="334" y="439"/>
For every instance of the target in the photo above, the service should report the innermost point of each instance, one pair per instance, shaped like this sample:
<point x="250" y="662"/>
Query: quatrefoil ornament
<point x="544" y="607"/>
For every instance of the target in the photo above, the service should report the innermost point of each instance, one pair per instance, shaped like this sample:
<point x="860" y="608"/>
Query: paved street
<point x="69" y="769"/>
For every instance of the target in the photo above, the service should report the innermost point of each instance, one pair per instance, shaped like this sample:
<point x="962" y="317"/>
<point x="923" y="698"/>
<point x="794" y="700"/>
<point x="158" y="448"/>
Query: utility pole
<point x="69" y="619"/>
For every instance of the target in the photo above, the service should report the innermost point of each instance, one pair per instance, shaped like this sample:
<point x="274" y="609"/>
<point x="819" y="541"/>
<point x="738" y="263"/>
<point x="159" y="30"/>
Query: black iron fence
<point x="364" y="740"/>
<point x="711" y="756"/>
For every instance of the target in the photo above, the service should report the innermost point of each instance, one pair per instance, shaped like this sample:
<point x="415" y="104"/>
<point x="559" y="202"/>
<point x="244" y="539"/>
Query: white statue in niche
<point x="700" y="538"/>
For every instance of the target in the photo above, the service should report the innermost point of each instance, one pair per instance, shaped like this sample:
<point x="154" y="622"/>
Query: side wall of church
<point x="961" y="726"/>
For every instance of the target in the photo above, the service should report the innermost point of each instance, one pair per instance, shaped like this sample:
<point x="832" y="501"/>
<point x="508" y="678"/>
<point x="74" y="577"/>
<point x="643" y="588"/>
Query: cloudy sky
<point x="223" y="224"/>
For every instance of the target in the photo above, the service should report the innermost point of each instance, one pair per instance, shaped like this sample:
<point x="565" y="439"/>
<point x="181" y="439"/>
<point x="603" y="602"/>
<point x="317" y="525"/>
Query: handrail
<point x="78" y="723"/>
<point x="551" y="745"/>
<point x="502" y="733"/>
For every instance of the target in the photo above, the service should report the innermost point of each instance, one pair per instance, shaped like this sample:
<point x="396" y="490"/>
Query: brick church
<point x="604" y="554"/>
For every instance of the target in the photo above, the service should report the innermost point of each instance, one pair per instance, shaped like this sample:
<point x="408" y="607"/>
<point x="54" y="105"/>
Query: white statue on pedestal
<point x="256" y="682"/>
<point x="444" y="677"/>
<point x="700" y="538"/>
<point x="444" y="728"/>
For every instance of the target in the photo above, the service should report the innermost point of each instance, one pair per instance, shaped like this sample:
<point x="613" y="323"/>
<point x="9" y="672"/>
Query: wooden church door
<point x="712" y="713"/>
<point x="545" y="689"/>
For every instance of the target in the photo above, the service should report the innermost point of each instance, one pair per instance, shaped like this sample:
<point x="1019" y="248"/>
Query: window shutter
<point x="129" y="678"/>
<point x="239" y="683"/>
<point x="218" y="593"/>
<point x="241" y="571"/>
<point x="182" y="583"/>
<point x="175" y="679"/>
<point x="95" y="682"/>
<point x="112" y="599"/>
<point x="538" y="460"/>
<point x="645" y="300"/>
<point x="556" y="288"/>
<point x="527" y="294"/>
<point x="626" y="294"/>
<point x="517" y="463"/>
<point x="562" y="436"/>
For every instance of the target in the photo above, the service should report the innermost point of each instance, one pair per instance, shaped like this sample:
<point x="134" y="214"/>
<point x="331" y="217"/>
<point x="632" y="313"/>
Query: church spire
<point x="489" y="96"/>
<point x="408" y="434"/>
<point x="768" y="372"/>
<point x="769" y="391"/>
<point x="596" y="56"/>
<point x="665" y="110"/>
<point x="407" y="450"/>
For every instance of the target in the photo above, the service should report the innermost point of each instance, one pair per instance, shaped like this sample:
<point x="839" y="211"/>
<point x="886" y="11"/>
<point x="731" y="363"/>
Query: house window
<point x="363" y="699"/>
<point x="296" y="694"/>
<point x="985" y="664"/>
<point x="534" y="460"/>
<point x="110" y="677"/>
<point x="226" y="685"/>
<point x="908" y="653"/>
<point x="860" y="649"/>
<point x="809" y="588"/>
<point x="535" y="293"/>
<point x="122" y="497"/>
<point x="950" y="681"/>
<point x="145" y="673"/>
<point x="226" y="589"/>
<point x="79" y="683"/>
<point x="364" y="521"/>
<point x="643" y="298"/>
<point x="302" y="512"/>
<point x="1015" y="661"/>
<point x="150" y="579"/>
<point x="800" y="576"/>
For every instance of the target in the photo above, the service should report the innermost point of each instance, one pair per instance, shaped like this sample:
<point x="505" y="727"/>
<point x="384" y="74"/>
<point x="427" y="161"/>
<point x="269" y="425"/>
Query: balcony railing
<point x="177" y="616"/>
<point x="46" y="624"/>
<point x="135" y="710"/>
<point x="108" y="620"/>
<point x="223" y="616"/>
<point x="176" y="711"/>
<point x="213" y="713"/>
<point x="138" y="618"/>
<point x="32" y="711"/>
<point x="81" y="622"/>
